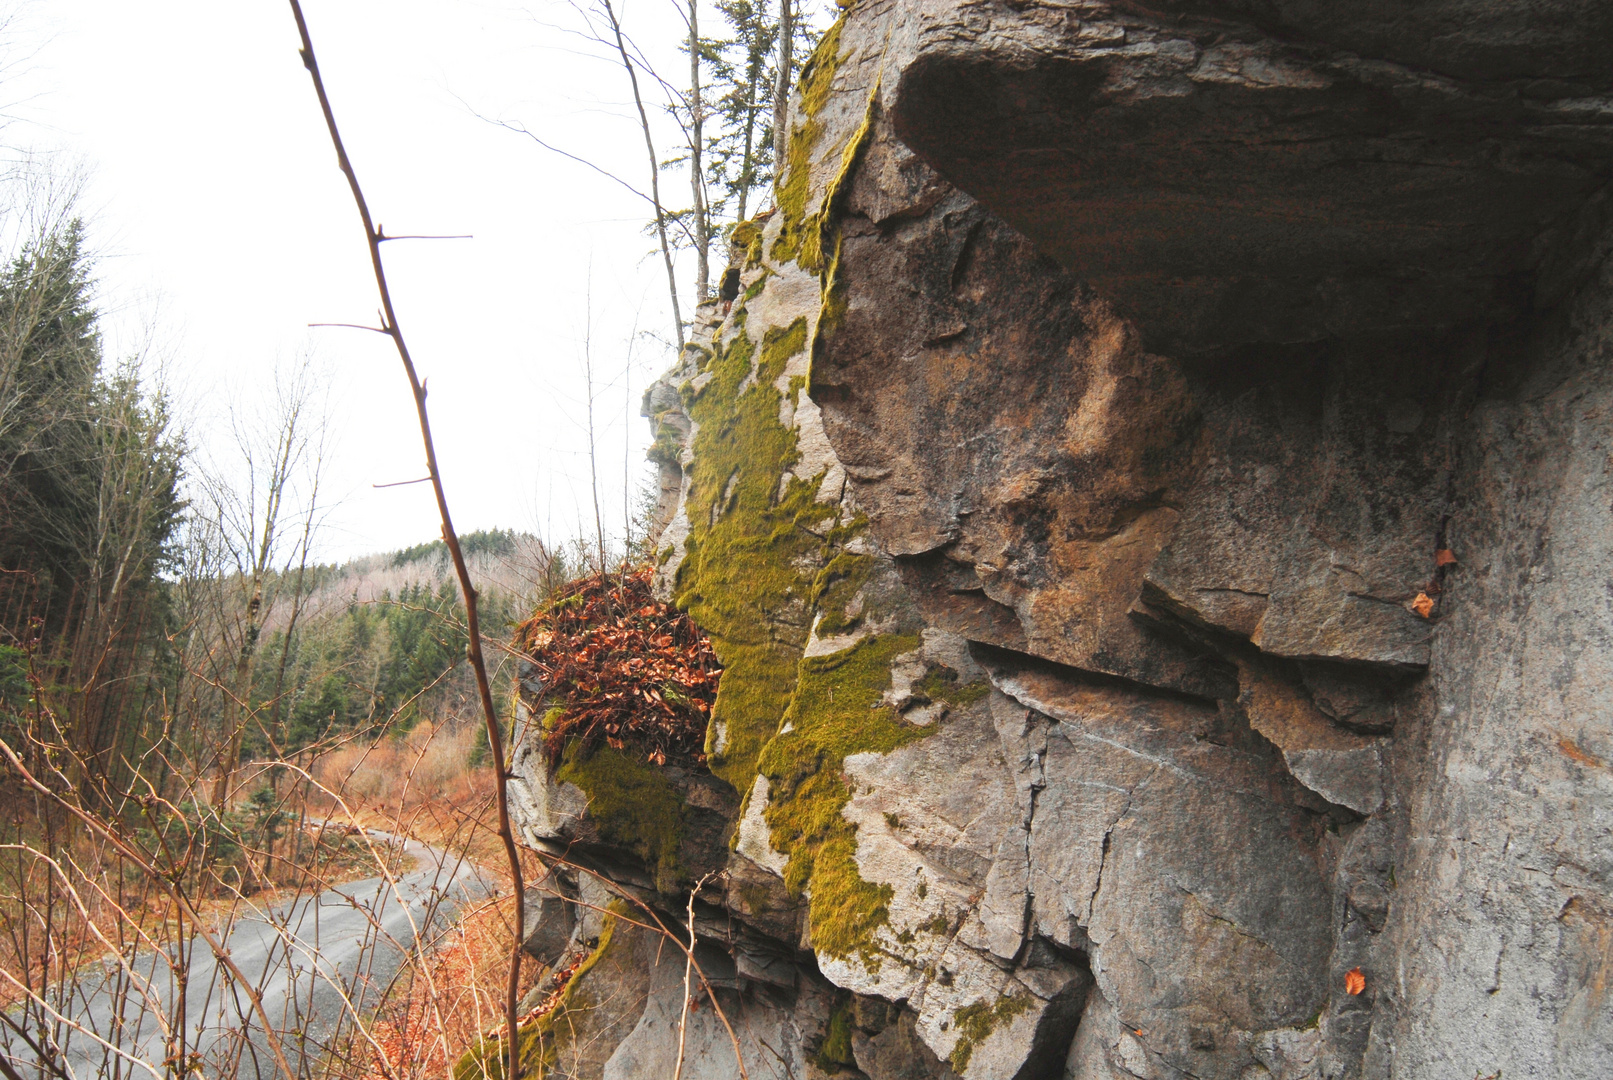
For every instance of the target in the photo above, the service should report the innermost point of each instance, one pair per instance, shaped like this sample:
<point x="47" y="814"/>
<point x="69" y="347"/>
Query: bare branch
<point x="495" y="735"/>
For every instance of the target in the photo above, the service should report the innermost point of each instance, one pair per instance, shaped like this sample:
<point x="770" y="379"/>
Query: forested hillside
<point x="91" y="514"/>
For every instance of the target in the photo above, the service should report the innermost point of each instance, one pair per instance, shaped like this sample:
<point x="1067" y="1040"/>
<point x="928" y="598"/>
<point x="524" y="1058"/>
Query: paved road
<point x="304" y="957"/>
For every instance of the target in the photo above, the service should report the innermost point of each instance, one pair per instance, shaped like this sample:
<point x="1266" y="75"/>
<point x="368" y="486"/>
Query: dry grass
<point x="452" y="997"/>
<point x="421" y="785"/>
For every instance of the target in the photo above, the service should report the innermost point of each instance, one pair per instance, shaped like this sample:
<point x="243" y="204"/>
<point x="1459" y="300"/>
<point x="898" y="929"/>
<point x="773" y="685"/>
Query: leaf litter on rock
<point x="619" y="666"/>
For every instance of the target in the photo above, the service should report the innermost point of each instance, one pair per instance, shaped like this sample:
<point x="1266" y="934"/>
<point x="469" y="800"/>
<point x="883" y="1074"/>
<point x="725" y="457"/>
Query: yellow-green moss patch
<point x="632" y="805"/>
<point x="753" y="545"/>
<point x="941" y="683"/>
<point x="834" y="588"/>
<point x="836" y="712"/>
<point x="835" y="1053"/>
<point x="798" y="235"/>
<point x="974" y="1022"/>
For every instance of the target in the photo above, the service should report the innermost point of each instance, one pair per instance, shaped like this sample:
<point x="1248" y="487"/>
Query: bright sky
<point x="214" y="200"/>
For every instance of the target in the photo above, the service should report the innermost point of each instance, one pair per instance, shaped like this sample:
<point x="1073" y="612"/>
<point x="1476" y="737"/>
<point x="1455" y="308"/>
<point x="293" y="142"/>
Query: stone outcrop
<point x="1151" y="497"/>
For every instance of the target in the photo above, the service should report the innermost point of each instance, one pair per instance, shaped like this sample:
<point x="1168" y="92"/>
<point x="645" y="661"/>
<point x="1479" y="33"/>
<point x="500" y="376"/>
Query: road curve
<point x="314" y="961"/>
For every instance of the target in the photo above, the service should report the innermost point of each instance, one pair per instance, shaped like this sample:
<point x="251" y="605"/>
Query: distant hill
<point x="380" y="640"/>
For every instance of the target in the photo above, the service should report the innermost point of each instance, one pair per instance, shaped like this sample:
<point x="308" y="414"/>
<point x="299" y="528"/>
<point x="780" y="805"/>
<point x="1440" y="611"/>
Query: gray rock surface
<point x="1153" y="351"/>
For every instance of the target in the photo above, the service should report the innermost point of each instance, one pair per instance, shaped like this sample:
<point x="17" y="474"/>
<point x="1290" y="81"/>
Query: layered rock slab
<point x="1221" y="184"/>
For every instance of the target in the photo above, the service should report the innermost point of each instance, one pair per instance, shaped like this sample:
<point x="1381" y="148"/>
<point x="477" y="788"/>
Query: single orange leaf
<point x="1354" y="981"/>
<point x="1444" y="557"/>
<point x="1423" y="605"/>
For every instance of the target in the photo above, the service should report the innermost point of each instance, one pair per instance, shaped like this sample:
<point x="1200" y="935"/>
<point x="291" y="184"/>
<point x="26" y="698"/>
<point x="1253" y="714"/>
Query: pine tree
<point x="89" y="500"/>
<point x="741" y="156"/>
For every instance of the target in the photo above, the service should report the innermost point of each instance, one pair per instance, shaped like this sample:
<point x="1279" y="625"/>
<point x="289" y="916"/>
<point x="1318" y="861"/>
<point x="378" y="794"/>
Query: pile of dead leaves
<point x="618" y="665"/>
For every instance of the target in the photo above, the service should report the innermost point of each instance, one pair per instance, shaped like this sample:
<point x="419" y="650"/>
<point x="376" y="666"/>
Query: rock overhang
<point x="1559" y="46"/>
<point x="1223" y="187"/>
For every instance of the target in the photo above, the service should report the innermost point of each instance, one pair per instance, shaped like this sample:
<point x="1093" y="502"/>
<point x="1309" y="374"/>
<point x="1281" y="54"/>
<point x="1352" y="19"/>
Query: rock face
<point x="1151" y="497"/>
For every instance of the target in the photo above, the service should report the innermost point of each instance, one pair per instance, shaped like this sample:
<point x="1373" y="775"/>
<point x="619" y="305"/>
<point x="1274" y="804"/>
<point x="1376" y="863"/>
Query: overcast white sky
<point x="214" y="200"/>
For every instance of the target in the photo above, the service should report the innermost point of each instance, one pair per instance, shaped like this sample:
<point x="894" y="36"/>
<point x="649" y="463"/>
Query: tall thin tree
<point x="781" y="89"/>
<point x="655" y="165"/>
<point x="697" y="171"/>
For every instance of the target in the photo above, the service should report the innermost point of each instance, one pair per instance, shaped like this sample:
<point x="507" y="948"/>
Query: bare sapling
<point x="495" y="735"/>
<point x="620" y="44"/>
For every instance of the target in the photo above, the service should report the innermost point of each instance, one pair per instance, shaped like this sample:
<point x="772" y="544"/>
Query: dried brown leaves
<point x="617" y="664"/>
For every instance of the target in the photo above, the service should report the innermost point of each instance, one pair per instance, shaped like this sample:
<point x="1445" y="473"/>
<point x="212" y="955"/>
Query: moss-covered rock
<point x="836" y="711"/>
<point x="798" y="237"/>
<point x="541" y="1038"/>
<point x="975" y="1022"/>
<point x="632" y="805"/>
<point x="754" y="544"/>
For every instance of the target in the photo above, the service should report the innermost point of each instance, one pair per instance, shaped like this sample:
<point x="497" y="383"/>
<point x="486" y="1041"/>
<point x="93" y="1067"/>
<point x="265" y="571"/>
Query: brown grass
<point x="451" y="998"/>
<point x="421" y="785"/>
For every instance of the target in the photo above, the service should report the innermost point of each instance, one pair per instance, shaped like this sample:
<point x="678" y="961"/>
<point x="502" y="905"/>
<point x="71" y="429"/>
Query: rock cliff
<point x="1151" y="499"/>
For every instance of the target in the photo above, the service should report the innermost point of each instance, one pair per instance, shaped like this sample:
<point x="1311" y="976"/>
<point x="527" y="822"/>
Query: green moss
<point x="777" y="348"/>
<point x="748" y="235"/>
<point x="974" y="1023"/>
<point x="667" y="448"/>
<point x="753" y="542"/>
<point x="798" y="235"/>
<point x="540" y="1038"/>
<point x="940" y="683"/>
<point x="836" y="712"/>
<point x="833" y="588"/>
<point x="756" y="898"/>
<point x="633" y="806"/>
<point x="745" y="233"/>
<point x="836" y="1050"/>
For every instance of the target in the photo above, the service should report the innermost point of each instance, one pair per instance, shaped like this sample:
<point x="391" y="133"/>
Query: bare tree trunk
<point x="781" y="91"/>
<point x="239" y="706"/>
<point x="290" y="445"/>
<point x="593" y="443"/>
<point x="655" y="170"/>
<point x="697" y="172"/>
<point x="747" y="166"/>
<point x="299" y="594"/>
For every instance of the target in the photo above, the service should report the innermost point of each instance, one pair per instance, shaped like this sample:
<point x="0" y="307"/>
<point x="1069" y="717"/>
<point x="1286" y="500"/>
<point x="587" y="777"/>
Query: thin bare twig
<point x="495" y="735"/>
<point x="352" y="326"/>
<point x="688" y="972"/>
<point x="166" y="883"/>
